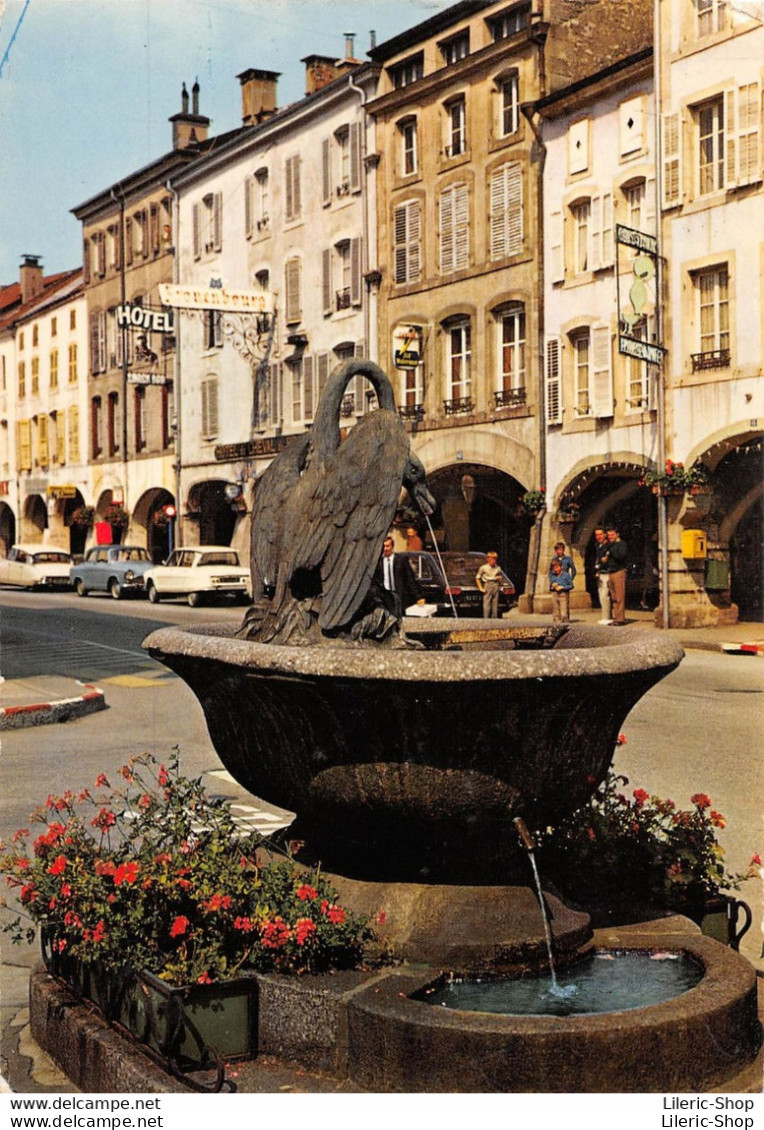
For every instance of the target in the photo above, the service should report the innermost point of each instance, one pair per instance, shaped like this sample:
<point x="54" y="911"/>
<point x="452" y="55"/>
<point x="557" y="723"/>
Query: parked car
<point x="460" y="570"/>
<point x="198" y="572"/>
<point x="36" y="567"/>
<point x="116" y="569"/>
<point x="429" y="577"/>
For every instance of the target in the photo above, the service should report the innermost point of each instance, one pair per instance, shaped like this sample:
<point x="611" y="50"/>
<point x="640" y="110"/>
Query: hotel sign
<point x="147" y="379"/>
<point x="252" y="449"/>
<point x="140" y="318"/>
<point x="642" y="350"/>
<point x="216" y="298"/>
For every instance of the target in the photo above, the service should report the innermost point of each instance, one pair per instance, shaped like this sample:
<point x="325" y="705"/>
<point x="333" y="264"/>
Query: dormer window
<point x="410" y="70"/>
<point x="509" y="22"/>
<point x="456" y="48"/>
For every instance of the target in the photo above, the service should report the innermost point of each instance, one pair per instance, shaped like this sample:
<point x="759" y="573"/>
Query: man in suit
<point x="396" y="579"/>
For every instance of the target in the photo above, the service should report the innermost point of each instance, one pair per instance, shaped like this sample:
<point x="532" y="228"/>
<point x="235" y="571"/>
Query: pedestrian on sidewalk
<point x="615" y="561"/>
<point x="560" y="585"/>
<point x="603" y="589"/>
<point x="488" y="579"/>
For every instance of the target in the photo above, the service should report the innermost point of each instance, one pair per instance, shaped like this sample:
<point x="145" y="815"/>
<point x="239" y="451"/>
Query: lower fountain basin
<point x="698" y="1040"/>
<point x="410" y="765"/>
<point x="604" y="981"/>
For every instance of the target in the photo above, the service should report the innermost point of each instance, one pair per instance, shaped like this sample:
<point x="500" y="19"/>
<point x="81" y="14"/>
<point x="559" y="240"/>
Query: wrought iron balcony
<point x="509" y="398"/>
<point x="413" y="412"/>
<point x="712" y="359"/>
<point x="459" y="406"/>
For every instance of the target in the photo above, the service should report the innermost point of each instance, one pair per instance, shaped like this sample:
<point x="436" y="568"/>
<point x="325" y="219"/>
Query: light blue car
<point x="116" y="569"/>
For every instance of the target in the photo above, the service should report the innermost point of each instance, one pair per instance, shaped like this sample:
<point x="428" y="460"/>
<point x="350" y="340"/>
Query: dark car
<point x="460" y="570"/>
<point x="428" y="576"/>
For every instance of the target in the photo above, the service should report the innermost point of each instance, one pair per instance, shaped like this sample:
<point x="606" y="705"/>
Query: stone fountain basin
<point x="409" y="765"/>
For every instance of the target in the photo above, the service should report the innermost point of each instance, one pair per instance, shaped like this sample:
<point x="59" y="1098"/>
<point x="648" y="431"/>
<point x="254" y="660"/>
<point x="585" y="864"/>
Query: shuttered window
<point x="61" y="438"/>
<point x="553" y="382"/>
<point x="356" y="271"/>
<point x="407" y="248"/>
<point x="454" y="228"/>
<point x="73" y="433"/>
<point x="671" y="156"/>
<point x="72" y="364"/>
<point x="307" y="387"/>
<point x="292" y="275"/>
<point x="24" y="445"/>
<point x="506" y="222"/>
<point x="355" y="157"/>
<point x="43" y="451"/>
<point x="54" y="368"/>
<point x="98" y="342"/>
<point x="602" y="372"/>
<point x="292" y="187"/>
<point x="209" y="408"/>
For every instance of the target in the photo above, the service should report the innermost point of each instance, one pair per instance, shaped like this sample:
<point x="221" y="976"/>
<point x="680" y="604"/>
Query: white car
<point x="36" y="567"/>
<point x="198" y="572"/>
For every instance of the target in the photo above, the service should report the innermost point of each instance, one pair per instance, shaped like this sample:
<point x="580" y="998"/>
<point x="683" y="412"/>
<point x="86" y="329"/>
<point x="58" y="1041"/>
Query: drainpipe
<point x="124" y="332"/>
<point x="367" y="322"/>
<point x="177" y="529"/>
<point x="535" y="546"/>
<point x="661" y="375"/>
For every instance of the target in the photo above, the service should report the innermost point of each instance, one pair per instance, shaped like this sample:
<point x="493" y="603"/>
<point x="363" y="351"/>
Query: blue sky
<point x="87" y="87"/>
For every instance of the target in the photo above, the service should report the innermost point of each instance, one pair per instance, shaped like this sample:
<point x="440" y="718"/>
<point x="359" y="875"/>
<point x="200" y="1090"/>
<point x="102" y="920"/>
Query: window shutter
<point x="274" y="393"/>
<point x="326" y="169"/>
<point x="446" y="208"/>
<point x="307" y="386"/>
<point x="61" y="438"/>
<point x="556" y="257"/>
<point x="154" y="229"/>
<point x="293" y="308"/>
<point x="730" y="140"/>
<point x="197" y="223"/>
<point x="553" y="382"/>
<point x="86" y="262"/>
<point x="356" y="270"/>
<point x="326" y="279"/>
<point x="94" y="343"/>
<point x="672" y="163"/>
<point x="461" y="227"/>
<point x="355" y="157"/>
<point x="249" y="188"/>
<point x="498" y="220"/>
<point x="515" y="223"/>
<point x="101" y="253"/>
<point x="128" y="240"/>
<point x="748" y="134"/>
<point x="595" y="233"/>
<point x="43" y="455"/>
<point x="602" y="372"/>
<point x="606" y="254"/>
<point x="25" y="445"/>
<point x="210" y="407"/>
<point x="650" y="227"/>
<point x="217" y="221"/>
<point x="506" y="218"/>
<point x="293" y="203"/>
<point x="407" y="242"/>
<point x="74" y="434"/>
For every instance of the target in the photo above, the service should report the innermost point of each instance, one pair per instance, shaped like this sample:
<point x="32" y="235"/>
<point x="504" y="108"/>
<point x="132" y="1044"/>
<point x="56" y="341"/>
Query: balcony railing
<point x="509" y="398"/>
<point x="413" y="412"/>
<point x="343" y="298"/>
<point x="712" y="359"/>
<point x="458" y="406"/>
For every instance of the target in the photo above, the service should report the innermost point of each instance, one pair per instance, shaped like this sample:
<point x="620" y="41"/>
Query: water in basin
<point x="606" y="981"/>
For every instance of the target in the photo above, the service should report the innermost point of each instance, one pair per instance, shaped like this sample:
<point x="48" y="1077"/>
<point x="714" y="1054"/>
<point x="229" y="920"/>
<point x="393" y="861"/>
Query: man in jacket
<point x="614" y="563"/>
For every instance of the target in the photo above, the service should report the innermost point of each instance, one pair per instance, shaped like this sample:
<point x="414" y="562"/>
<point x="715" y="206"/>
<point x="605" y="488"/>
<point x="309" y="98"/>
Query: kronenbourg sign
<point x="216" y="298"/>
<point x="407" y="347"/>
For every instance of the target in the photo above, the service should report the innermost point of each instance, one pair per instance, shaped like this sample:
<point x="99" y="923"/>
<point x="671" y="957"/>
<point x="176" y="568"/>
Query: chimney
<point x="349" y="63"/>
<point x="189" y="130"/>
<point x="30" y="277"/>
<point x="320" y="70"/>
<point x="258" y="95"/>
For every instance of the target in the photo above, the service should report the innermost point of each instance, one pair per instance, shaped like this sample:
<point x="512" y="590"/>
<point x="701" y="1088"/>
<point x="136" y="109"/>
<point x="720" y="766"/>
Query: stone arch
<point x="212" y="512"/>
<point x="158" y="531"/>
<point x="7" y="528"/>
<point x="34" y="519"/>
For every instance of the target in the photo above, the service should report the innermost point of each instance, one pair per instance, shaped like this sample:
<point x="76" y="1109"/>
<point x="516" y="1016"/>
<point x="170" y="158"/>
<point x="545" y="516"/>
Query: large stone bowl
<point x="410" y="765"/>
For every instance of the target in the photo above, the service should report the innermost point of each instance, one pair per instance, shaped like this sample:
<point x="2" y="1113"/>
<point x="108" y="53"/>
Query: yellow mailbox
<point x="693" y="543"/>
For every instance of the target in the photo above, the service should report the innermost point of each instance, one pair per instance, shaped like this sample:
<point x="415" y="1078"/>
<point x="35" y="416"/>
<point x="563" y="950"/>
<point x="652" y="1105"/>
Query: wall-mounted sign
<point x="639" y="240"/>
<point x="5" y="487"/>
<point x="138" y="317"/>
<point x="230" y="452"/>
<point x="62" y="490"/>
<point x="642" y="350"/>
<point x="216" y="298"/>
<point x="147" y="379"/>
<point x="407" y="347"/>
<point x="637" y="317"/>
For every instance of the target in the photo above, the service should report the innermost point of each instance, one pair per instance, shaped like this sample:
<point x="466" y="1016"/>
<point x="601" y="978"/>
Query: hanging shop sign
<point x="407" y="347"/>
<point x="637" y="316"/>
<point x="62" y="490"/>
<point x="141" y="318"/>
<point x="216" y="298"/>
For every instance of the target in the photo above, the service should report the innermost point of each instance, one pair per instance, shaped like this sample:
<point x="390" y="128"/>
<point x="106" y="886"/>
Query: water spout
<point x="527" y="841"/>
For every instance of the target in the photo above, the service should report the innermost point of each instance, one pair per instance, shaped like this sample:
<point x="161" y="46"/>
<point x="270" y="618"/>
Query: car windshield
<point x="231" y="558"/>
<point x="46" y="558"/>
<point x="130" y="555"/>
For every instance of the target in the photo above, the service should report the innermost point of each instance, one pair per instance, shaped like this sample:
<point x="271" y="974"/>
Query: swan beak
<point x="423" y="498"/>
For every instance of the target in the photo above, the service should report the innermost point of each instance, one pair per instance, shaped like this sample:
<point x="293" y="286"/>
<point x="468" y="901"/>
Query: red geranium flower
<point x="179" y="926"/>
<point x="126" y="873"/>
<point x="58" y="865"/>
<point x="701" y="799"/>
<point x="102" y="781"/>
<point x="306" y="892"/>
<point x="105" y="819"/>
<point x="304" y="930"/>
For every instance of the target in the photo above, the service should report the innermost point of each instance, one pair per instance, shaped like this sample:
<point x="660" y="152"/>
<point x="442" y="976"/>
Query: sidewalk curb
<point x="40" y="714"/>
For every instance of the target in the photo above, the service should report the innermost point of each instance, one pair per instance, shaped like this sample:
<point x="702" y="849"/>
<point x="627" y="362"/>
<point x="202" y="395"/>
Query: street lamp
<point x="170" y="513"/>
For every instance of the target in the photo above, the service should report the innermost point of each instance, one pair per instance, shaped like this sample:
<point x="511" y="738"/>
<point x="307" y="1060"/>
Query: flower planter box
<point x="190" y="1028"/>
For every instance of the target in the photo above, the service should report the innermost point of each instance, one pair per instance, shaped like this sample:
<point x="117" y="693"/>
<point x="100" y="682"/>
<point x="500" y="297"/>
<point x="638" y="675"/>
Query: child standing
<point x="560" y="585"/>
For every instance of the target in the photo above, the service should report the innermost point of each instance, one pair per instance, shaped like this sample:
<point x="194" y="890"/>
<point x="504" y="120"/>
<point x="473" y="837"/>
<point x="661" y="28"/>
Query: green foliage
<point x="533" y="501"/>
<point x="675" y="477"/>
<point x="156" y="875"/>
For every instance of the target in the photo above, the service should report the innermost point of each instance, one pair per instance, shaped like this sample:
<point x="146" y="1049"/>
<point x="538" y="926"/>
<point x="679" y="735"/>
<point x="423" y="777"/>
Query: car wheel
<point x="114" y="588"/>
<point x="154" y="596"/>
<point x="194" y="599"/>
<point x="79" y="587"/>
